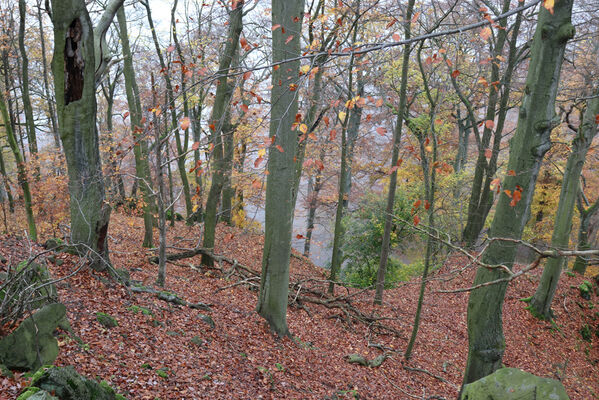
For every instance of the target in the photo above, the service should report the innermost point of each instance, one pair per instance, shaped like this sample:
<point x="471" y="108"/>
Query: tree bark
<point x="29" y="122"/>
<point x="585" y="232"/>
<point x="527" y="149"/>
<point x="220" y="110"/>
<point x="21" y="170"/>
<point x="140" y="147"/>
<point x="272" y="300"/>
<point x="540" y="303"/>
<point x="401" y="112"/>
<point x="481" y="198"/>
<point x="74" y="67"/>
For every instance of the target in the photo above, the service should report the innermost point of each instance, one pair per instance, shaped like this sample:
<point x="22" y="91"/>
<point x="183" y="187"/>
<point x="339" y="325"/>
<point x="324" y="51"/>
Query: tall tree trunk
<point x="401" y="112"/>
<point x="160" y="280"/>
<point x="429" y="177"/>
<point x="29" y="122"/>
<point x="140" y="147"/>
<point x="174" y="123"/>
<point x="78" y="54"/>
<point x="349" y="133"/>
<point x="217" y="121"/>
<point x="21" y="171"/>
<point x="274" y="283"/>
<point x="481" y="197"/>
<point x="527" y="149"/>
<point x="584" y="234"/>
<point x="51" y="111"/>
<point x="540" y="303"/>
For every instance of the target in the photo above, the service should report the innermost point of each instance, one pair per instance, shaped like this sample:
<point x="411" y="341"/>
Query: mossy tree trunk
<point x="218" y="124"/>
<point x="21" y="170"/>
<point x="79" y="59"/>
<point x="401" y="112"/>
<point x="280" y="185"/>
<point x="540" y="304"/>
<point x="140" y="148"/>
<point x="481" y="197"/>
<point x="527" y="149"/>
<point x="585" y="233"/>
<point x="349" y="132"/>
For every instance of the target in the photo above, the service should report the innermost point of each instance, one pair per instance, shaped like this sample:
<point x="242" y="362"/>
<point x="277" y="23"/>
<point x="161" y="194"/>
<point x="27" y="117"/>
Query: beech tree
<point x="140" y="147"/>
<point x="79" y="60"/>
<point x="540" y="303"/>
<point x="219" y="126"/>
<point x="527" y="148"/>
<point x="274" y="284"/>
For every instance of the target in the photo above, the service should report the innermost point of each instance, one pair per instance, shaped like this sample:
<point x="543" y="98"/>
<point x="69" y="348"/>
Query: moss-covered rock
<point x="36" y="394"/>
<point x="514" y="384"/>
<point x="32" y="343"/>
<point x="106" y="320"/>
<point x="67" y="384"/>
<point x="207" y="319"/>
<point x="586" y="289"/>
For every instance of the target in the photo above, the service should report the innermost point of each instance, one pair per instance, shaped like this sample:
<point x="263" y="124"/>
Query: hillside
<point x="240" y="358"/>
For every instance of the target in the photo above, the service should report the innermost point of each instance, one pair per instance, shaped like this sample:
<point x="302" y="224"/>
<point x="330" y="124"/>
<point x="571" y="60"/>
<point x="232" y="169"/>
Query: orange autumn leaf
<point x="416" y="220"/>
<point x="490" y="124"/>
<point x="185" y="123"/>
<point x="511" y="172"/>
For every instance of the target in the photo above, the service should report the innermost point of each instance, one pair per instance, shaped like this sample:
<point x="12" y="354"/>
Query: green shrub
<point x="363" y="242"/>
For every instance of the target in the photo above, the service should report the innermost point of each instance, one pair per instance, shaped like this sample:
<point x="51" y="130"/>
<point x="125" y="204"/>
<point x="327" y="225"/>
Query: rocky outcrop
<point x="514" y="384"/>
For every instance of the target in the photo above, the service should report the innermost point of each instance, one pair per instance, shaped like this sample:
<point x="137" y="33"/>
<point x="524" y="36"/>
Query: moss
<point x="30" y="391"/>
<point x="106" y="320"/>
<point x="586" y="332"/>
<point x="585" y="288"/>
<point x="162" y="373"/>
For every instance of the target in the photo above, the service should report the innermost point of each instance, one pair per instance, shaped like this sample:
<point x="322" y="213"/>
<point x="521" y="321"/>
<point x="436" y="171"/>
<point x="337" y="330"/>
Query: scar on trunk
<point x="73" y="63"/>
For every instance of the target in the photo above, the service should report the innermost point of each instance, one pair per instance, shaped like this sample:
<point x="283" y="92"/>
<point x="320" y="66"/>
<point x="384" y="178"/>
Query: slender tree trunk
<point x="5" y="180"/>
<point x="174" y="123"/>
<point x="51" y="110"/>
<point x="218" y="119"/>
<point x="29" y="122"/>
<point x="313" y="192"/>
<point x="429" y="177"/>
<point x="351" y="122"/>
<point x="481" y="197"/>
<point x="140" y="147"/>
<point x="21" y="171"/>
<point x="274" y="283"/>
<point x="161" y="194"/>
<point x="527" y="149"/>
<point x="401" y="112"/>
<point x="584" y="234"/>
<point x="114" y="181"/>
<point x="540" y="303"/>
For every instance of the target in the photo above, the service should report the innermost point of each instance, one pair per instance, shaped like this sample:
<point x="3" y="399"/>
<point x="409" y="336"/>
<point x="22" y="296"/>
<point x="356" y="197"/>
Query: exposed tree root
<point x="303" y="292"/>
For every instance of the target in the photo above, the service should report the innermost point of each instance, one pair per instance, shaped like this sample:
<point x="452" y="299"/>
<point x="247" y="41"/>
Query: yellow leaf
<point x="342" y="116"/>
<point x="305" y="68"/>
<point x="303" y="128"/>
<point x="261" y="152"/>
<point x="548" y="4"/>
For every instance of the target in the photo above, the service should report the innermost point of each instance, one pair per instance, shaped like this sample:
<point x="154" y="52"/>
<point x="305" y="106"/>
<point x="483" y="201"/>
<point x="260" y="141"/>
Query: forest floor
<point x="241" y="359"/>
